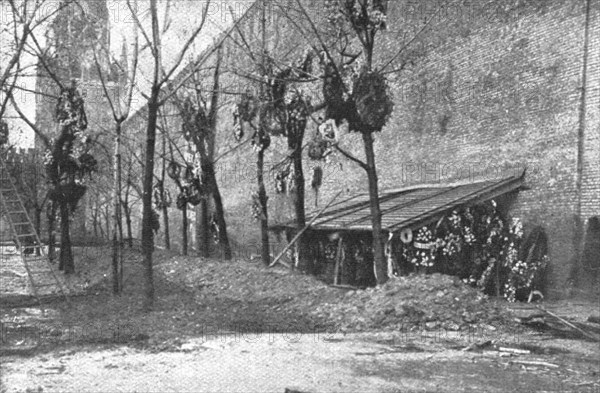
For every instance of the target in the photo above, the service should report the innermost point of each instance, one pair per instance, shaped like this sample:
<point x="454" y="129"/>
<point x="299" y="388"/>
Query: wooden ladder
<point x="42" y="276"/>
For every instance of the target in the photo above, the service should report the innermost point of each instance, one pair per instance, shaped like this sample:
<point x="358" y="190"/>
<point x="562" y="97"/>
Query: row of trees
<point x="337" y="58"/>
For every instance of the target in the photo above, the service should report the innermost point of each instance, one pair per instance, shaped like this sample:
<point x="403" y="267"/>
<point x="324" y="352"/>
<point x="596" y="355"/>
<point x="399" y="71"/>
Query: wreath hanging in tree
<point x="162" y="196"/>
<point x="192" y="190"/>
<point x="68" y="161"/>
<point x="281" y="177"/>
<point x="173" y="170"/>
<point x="374" y="104"/>
<point x="238" y="129"/>
<point x="273" y="119"/>
<point x="87" y="165"/>
<point x="261" y="143"/>
<point x="3" y="133"/>
<point x="154" y="221"/>
<point x="248" y="106"/>
<point x="257" y="209"/>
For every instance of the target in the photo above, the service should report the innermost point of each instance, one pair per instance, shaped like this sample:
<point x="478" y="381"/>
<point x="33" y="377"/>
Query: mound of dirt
<point x="241" y="280"/>
<point x="428" y="302"/>
<point x="416" y="302"/>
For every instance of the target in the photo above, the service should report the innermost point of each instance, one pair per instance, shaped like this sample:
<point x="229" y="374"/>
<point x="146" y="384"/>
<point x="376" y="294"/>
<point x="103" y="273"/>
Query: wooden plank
<point x="291" y="243"/>
<point x="338" y="261"/>
<point x="569" y="324"/>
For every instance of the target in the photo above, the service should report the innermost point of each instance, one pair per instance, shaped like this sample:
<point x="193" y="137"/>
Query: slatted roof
<point x="410" y="207"/>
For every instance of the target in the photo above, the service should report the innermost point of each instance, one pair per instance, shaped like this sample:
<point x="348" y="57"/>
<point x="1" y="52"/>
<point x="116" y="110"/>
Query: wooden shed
<point x="340" y="237"/>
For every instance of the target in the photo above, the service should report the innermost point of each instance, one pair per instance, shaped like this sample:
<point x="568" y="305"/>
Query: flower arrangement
<point x="422" y="253"/>
<point x="479" y="246"/>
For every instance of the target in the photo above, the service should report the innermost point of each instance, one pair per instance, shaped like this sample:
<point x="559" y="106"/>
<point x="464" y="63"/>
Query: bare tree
<point x="199" y="125"/>
<point x="280" y="109"/>
<point x="67" y="162"/>
<point x="25" y="18"/>
<point x="361" y="101"/>
<point x="120" y="109"/>
<point x="159" y="79"/>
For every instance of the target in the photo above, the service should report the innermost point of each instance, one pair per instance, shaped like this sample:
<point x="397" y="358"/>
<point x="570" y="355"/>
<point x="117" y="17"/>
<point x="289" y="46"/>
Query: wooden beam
<point x="338" y="261"/>
<point x="295" y="239"/>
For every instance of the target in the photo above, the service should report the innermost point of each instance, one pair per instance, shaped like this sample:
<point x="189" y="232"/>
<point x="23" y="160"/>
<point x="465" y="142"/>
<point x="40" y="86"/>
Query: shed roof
<point x="409" y="207"/>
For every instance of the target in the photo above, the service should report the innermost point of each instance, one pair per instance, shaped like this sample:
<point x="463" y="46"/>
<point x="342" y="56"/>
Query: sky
<point x="181" y="18"/>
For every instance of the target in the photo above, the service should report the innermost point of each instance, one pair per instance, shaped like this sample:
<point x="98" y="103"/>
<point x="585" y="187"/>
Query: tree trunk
<point x="94" y="212"/>
<point x="202" y="235"/>
<point x="127" y="210"/>
<point x="51" y="224"/>
<point x="120" y="223"/>
<point x="38" y="226"/>
<point x="102" y="234"/>
<point x="264" y="218"/>
<point x="107" y="216"/>
<point x="147" y="233"/>
<point x="165" y="213"/>
<point x="262" y="193"/>
<point x="66" y="254"/>
<point x="378" y="255"/>
<point x="304" y="261"/>
<point x="184" y="231"/>
<point x="162" y="193"/>
<point x="209" y="170"/>
<point x="116" y="246"/>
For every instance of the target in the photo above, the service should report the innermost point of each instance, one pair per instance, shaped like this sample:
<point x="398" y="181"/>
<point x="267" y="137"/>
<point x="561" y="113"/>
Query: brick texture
<point x="487" y="90"/>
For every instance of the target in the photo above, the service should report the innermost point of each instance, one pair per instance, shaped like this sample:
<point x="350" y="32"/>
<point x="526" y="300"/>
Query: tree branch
<point x="35" y="129"/>
<point x="187" y="45"/>
<point x="351" y="157"/>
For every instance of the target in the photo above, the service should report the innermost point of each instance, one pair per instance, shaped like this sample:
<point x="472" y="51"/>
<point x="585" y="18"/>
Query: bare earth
<point x="307" y="363"/>
<point x="202" y="337"/>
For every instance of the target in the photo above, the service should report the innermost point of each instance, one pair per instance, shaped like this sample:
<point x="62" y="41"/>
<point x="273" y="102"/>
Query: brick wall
<point x="487" y="94"/>
<point x="488" y="89"/>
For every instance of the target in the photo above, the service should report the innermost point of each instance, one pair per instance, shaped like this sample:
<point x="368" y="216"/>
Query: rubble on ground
<point x="428" y="302"/>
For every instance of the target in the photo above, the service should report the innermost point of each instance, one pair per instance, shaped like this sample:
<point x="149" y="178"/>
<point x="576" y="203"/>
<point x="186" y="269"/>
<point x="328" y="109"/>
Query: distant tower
<point x="79" y="30"/>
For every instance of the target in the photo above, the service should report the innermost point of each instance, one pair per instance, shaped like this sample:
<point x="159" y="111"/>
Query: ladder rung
<point x="51" y="284"/>
<point x="40" y="271"/>
<point x="30" y="259"/>
<point x="21" y="223"/>
<point x="17" y="212"/>
<point x="36" y="258"/>
<point x="26" y="235"/>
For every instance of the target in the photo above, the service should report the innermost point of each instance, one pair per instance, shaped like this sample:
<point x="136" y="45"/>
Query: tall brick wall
<point x="590" y="195"/>
<point x="495" y="92"/>
<point x="505" y="97"/>
<point x="490" y="88"/>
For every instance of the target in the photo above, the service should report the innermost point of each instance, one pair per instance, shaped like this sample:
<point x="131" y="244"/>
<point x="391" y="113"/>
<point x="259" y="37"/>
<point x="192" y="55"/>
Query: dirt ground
<point x="307" y="363"/>
<point x="239" y="327"/>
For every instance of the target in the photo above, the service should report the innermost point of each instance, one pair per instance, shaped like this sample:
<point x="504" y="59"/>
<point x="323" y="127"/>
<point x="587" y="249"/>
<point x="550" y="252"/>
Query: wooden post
<point x="338" y="261"/>
<point x="291" y="243"/>
<point x="184" y="230"/>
